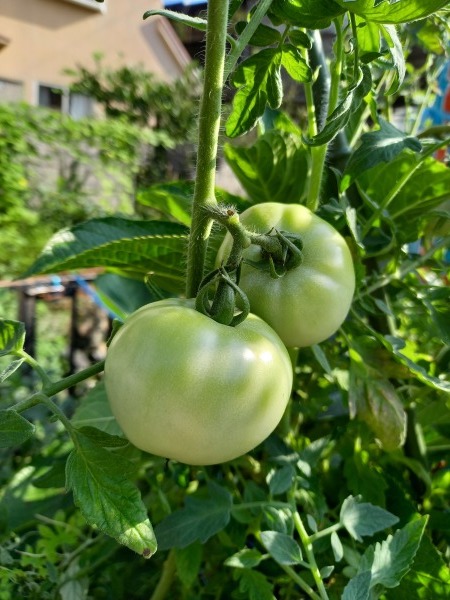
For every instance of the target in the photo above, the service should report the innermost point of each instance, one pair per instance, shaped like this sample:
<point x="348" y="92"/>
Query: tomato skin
<point x="309" y="303"/>
<point x="187" y="388"/>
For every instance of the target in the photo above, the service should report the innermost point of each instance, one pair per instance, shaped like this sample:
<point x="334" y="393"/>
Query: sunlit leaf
<point x="107" y="498"/>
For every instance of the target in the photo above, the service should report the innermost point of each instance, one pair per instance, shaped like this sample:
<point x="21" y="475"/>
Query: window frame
<point x="90" y="4"/>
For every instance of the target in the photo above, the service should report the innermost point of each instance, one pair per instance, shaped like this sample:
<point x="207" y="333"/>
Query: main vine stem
<point x="208" y="136"/>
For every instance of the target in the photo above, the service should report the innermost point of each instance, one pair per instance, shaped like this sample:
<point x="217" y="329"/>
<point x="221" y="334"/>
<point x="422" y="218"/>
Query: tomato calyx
<point x="219" y="291"/>
<point x="222" y="306"/>
<point x="283" y="257"/>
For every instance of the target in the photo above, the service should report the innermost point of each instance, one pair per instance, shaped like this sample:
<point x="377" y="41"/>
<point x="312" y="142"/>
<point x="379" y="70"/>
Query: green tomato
<point x="187" y="388"/>
<point x="308" y="303"/>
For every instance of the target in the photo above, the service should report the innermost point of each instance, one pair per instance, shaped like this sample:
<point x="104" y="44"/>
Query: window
<point x="51" y="97"/>
<point x="10" y="91"/>
<point x="92" y="4"/>
<point x="76" y="105"/>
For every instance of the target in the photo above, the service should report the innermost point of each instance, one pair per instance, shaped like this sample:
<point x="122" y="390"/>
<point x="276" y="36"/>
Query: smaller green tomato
<point x="187" y="388"/>
<point x="308" y="303"/>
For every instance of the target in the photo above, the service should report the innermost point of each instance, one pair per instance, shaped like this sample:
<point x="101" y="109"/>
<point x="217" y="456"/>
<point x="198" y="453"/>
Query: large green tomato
<point x="187" y="388"/>
<point x="308" y="303"/>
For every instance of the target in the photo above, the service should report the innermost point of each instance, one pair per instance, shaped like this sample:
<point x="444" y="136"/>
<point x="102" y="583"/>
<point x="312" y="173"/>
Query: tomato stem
<point x="208" y="135"/>
<point x="167" y="577"/>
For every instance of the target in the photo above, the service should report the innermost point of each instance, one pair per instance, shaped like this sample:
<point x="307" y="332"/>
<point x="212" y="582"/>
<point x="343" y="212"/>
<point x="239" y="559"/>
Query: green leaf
<point x="382" y="145"/>
<point x="258" y="80"/>
<point x="426" y="187"/>
<point x="311" y="14"/>
<point x="194" y="22"/>
<point x="14" y="429"/>
<point x="101" y="438"/>
<point x="361" y="518"/>
<point x="188" y="561"/>
<point x="106" y="497"/>
<point x="397" y="344"/>
<point x="392" y="558"/>
<point x="10" y="369"/>
<point x="173" y="200"/>
<point x="395" y="49"/>
<point x="136" y="248"/>
<point x="429" y="576"/>
<point x="358" y="588"/>
<point x="437" y="301"/>
<point x="247" y="558"/>
<point x="375" y="401"/>
<point x="263" y="36"/>
<point x="93" y="411"/>
<point x="341" y="115"/>
<point x="12" y="336"/>
<point x="300" y="39"/>
<point x="281" y="547"/>
<point x="336" y="546"/>
<point x="254" y="585"/>
<point x="280" y="480"/>
<point x="295" y="64"/>
<point x="402" y="11"/>
<point x="200" y="519"/>
<point x="274" y="168"/>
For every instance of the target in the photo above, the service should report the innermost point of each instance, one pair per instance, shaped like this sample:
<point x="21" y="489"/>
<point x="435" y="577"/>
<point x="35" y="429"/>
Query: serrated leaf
<point x="107" y="498"/>
<point x="258" y="80"/>
<point x="14" y="429"/>
<point x="200" y="519"/>
<point x="93" y="410"/>
<point x="274" y="168"/>
<point x="395" y="345"/>
<point x="392" y="558"/>
<point x="361" y="518"/>
<point x="395" y="50"/>
<point x="404" y="11"/>
<point x="134" y="247"/>
<point x="12" y="336"/>
<point x="295" y="64"/>
<point x="342" y="113"/>
<point x="358" y="588"/>
<point x="281" y="547"/>
<point x="101" y="438"/>
<point x="380" y="146"/>
<point x="247" y="558"/>
<point x="188" y="561"/>
<point x="429" y="576"/>
<point x="254" y="585"/>
<point x="10" y="369"/>
<point x="173" y="200"/>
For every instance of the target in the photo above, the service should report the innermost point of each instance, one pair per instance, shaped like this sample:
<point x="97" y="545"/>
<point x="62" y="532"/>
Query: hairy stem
<point x="167" y="577"/>
<point x="208" y="135"/>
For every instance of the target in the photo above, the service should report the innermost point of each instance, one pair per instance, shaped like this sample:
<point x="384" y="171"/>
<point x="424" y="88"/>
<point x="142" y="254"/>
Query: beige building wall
<point x="41" y="38"/>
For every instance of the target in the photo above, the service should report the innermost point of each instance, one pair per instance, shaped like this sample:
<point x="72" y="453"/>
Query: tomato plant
<point x="185" y="387"/>
<point x="327" y="114"/>
<point x="306" y="304"/>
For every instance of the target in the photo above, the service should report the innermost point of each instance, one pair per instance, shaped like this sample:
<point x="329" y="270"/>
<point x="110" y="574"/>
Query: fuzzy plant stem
<point x="208" y="135"/>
